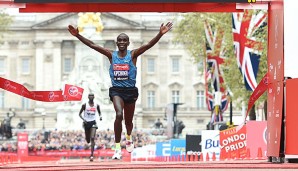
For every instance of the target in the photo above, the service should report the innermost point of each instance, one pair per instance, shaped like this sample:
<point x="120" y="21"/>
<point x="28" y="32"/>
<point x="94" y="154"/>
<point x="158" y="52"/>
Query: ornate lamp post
<point x="43" y="114"/>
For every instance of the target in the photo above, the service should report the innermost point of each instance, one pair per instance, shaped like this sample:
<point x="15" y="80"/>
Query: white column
<point x="57" y="63"/>
<point x="137" y="44"/>
<point x="39" y="67"/>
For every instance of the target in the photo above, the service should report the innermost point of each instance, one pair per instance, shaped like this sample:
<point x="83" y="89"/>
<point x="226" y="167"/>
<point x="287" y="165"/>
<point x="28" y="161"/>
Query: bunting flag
<point x="213" y="75"/>
<point x="245" y="27"/>
<point x="70" y="93"/>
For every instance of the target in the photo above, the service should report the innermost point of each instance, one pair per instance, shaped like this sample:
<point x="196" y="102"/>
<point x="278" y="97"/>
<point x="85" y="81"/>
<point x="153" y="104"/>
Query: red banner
<point x="70" y="93"/>
<point x="260" y="89"/>
<point x="129" y="7"/>
<point x="256" y="138"/>
<point x="233" y="143"/>
<point x="22" y="144"/>
<point x="291" y="117"/>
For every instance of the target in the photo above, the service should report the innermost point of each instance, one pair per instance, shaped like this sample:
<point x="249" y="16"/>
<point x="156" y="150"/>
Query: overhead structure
<point x="275" y="124"/>
<point x="43" y="6"/>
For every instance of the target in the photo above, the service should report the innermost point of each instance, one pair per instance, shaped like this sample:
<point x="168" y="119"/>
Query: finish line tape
<point x="70" y="93"/>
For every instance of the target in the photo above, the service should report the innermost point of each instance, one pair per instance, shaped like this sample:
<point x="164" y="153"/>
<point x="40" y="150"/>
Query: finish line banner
<point x="70" y="93"/>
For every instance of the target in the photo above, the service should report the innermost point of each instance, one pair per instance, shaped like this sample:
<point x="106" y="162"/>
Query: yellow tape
<point x="251" y="1"/>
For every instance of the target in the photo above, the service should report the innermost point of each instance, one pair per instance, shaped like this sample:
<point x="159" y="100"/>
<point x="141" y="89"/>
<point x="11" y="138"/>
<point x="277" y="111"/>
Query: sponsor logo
<point x="121" y="67"/>
<point x="193" y="152"/>
<point x="22" y="144"/>
<point x="276" y="31"/>
<point x="73" y="91"/>
<point x="24" y="92"/>
<point x="35" y="96"/>
<point x="6" y="84"/>
<point x="65" y="97"/>
<point x="51" y="96"/>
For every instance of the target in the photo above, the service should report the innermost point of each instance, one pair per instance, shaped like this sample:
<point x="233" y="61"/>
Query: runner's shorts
<point x="89" y="125"/>
<point x="128" y="94"/>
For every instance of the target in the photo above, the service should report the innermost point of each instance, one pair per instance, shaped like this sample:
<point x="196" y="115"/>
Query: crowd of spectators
<point x="8" y="146"/>
<point x="75" y="140"/>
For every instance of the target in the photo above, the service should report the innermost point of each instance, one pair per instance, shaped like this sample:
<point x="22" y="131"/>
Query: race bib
<point x="120" y="71"/>
<point x="90" y="112"/>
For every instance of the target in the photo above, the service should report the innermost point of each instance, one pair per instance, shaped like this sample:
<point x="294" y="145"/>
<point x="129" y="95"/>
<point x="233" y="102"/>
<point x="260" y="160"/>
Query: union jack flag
<point x="213" y="75"/>
<point x="245" y="26"/>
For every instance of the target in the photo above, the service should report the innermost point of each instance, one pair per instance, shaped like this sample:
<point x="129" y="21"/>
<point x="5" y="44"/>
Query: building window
<point x="67" y="65"/>
<point x="151" y="99"/>
<point x="1" y="99"/>
<point x="175" y="96"/>
<point x="200" y="121"/>
<point x="25" y="66"/>
<point x="175" y="64"/>
<point x="25" y="103"/>
<point x="2" y="66"/>
<point x="24" y="43"/>
<point x="151" y="65"/>
<point x="201" y="102"/>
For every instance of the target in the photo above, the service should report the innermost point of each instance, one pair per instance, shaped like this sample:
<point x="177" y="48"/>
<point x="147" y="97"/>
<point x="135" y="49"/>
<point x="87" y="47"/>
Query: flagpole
<point x="243" y="111"/>
<point x="231" y="113"/>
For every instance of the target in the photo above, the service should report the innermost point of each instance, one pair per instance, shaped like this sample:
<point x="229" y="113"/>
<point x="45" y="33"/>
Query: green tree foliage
<point x="190" y="32"/>
<point x="5" y="21"/>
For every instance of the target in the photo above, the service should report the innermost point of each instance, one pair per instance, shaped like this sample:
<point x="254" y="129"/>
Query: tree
<point x="190" y="32"/>
<point x="5" y="21"/>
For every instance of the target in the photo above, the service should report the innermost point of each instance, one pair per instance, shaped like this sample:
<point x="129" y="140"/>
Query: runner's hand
<point x="165" y="28"/>
<point x="84" y="123"/>
<point x="72" y="30"/>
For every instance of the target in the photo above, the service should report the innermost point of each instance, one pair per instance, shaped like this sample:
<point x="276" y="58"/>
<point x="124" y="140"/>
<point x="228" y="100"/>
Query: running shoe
<point x="117" y="154"/>
<point x="91" y="158"/>
<point x="129" y="146"/>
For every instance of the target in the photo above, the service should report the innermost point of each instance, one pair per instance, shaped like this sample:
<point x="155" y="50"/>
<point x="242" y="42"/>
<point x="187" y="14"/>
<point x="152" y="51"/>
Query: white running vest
<point x="90" y="112"/>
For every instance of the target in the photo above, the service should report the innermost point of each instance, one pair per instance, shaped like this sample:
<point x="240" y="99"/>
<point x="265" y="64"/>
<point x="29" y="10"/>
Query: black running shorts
<point x="128" y="94"/>
<point x="91" y="124"/>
